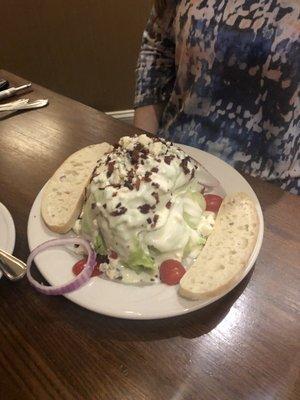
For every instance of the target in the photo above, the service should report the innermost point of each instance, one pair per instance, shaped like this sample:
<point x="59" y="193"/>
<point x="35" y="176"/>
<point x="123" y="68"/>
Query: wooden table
<point x="245" y="346"/>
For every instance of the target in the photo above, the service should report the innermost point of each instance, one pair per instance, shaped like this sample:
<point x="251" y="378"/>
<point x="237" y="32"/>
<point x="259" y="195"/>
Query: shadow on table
<point x="192" y="325"/>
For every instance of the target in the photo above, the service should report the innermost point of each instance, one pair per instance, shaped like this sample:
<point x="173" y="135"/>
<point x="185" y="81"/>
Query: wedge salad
<point x="145" y="212"/>
<point x="145" y="208"/>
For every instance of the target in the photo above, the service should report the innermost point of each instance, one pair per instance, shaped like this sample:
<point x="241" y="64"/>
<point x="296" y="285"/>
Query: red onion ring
<point x="75" y="283"/>
<point x="207" y="179"/>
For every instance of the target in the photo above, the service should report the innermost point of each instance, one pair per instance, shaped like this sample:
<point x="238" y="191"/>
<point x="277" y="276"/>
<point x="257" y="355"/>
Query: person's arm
<point x="155" y="73"/>
<point x="148" y="117"/>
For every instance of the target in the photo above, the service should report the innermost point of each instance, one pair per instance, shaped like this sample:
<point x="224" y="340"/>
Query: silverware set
<point x="22" y="104"/>
<point x="13" y="268"/>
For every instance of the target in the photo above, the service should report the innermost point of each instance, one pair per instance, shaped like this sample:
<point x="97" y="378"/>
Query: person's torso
<point x="237" y="81"/>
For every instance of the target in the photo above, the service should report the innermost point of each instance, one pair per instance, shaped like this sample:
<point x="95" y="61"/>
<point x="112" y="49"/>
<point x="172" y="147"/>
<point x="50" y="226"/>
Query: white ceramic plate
<point x="7" y="231"/>
<point x="133" y="302"/>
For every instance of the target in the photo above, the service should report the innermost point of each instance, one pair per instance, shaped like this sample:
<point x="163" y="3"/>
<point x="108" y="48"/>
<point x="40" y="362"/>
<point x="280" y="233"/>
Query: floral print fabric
<point x="228" y="72"/>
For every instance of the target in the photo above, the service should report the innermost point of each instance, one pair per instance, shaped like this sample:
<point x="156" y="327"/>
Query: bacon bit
<point x="169" y="204"/>
<point x="154" y="184"/>
<point x="149" y="220"/>
<point x="120" y="211"/>
<point x="155" y="195"/>
<point x="128" y="184"/>
<point x="137" y="183"/>
<point x="139" y="146"/>
<point x="101" y="259"/>
<point x="147" y="176"/>
<point x="110" y="168"/>
<point x="93" y="206"/>
<point x="154" y="169"/>
<point x="107" y="160"/>
<point x="145" y="208"/>
<point x="183" y="164"/>
<point x="113" y="255"/>
<point x="104" y="205"/>
<point x="155" y="219"/>
<point x="193" y="173"/>
<point x="131" y="174"/>
<point x="118" y="205"/>
<point x="168" y="159"/>
<point x="114" y="194"/>
<point x="144" y="153"/>
<point x="135" y="154"/>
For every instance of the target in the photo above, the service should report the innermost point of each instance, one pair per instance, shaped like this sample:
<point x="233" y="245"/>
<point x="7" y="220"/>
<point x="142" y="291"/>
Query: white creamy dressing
<point x="118" y="272"/>
<point x="151" y="213"/>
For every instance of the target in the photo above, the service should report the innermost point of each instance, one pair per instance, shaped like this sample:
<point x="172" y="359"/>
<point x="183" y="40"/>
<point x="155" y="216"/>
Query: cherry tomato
<point x="171" y="271"/>
<point x="213" y="202"/>
<point x="78" y="267"/>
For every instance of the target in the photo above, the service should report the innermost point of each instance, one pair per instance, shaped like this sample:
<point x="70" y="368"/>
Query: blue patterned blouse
<point x="228" y="72"/>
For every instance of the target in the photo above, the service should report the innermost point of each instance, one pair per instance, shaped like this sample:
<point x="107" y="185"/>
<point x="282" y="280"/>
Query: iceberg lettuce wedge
<point x="139" y="259"/>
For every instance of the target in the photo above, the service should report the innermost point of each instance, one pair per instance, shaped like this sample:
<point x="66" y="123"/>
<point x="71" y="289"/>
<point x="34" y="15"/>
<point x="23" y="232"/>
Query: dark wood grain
<point x="245" y="346"/>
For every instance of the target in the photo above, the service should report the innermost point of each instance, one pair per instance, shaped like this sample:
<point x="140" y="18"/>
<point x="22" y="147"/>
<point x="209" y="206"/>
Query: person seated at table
<point x="224" y="76"/>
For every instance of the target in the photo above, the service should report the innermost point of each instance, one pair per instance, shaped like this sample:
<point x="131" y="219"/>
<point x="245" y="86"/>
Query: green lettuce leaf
<point x="88" y="217"/>
<point x="99" y="245"/>
<point x="139" y="259"/>
<point x="193" y="208"/>
<point x="88" y="229"/>
<point x="192" y="244"/>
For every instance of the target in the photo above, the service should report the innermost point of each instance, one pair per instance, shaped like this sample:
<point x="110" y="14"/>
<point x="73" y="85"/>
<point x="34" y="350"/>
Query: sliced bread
<point x="63" y="194"/>
<point x="226" y="252"/>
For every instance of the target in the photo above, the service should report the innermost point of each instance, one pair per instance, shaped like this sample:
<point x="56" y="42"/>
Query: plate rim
<point x="197" y="306"/>
<point x="10" y="222"/>
<point x="11" y="229"/>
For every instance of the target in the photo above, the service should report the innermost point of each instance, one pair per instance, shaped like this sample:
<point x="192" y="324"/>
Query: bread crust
<point x="63" y="195"/>
<point x="234" y="251"/>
